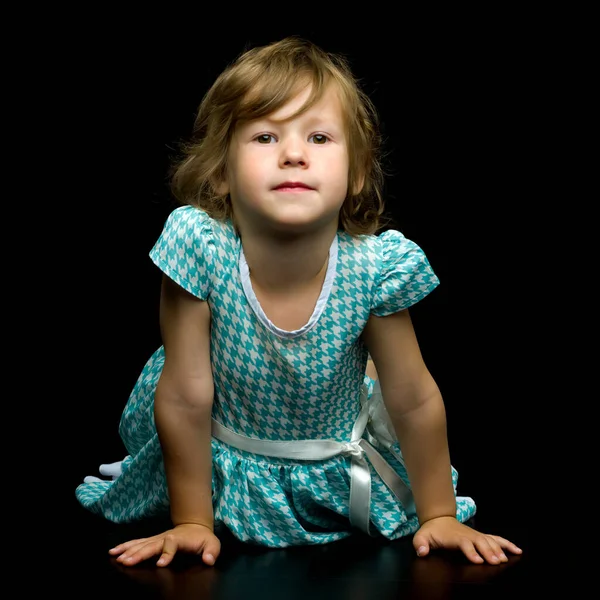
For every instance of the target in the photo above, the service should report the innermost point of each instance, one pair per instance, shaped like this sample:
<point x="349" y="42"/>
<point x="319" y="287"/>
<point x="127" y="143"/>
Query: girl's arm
<point x="183" y="404"/>
<point x="416" y="408"/>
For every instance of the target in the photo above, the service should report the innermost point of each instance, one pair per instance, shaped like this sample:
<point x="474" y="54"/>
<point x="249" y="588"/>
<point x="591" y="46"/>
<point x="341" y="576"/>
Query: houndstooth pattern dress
<point x="274" y="385"/>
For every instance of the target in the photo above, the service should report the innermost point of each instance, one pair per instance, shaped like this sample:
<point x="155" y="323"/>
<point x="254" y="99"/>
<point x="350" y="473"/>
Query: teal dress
<point x="271" y="384"/>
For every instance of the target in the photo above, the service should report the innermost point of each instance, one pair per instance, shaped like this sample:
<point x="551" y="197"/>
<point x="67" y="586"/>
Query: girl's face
<point x="290" y="174"/>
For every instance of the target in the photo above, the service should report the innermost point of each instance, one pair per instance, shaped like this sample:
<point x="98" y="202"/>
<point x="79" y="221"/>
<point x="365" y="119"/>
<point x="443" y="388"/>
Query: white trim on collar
<point x="319" y="307"/>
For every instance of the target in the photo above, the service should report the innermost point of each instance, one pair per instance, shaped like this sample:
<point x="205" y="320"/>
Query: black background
<point x="456" y="103"/>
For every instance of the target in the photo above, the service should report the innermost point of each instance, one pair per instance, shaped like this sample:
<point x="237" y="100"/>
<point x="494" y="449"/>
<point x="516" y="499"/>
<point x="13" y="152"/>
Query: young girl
<point x="256" y="411"/>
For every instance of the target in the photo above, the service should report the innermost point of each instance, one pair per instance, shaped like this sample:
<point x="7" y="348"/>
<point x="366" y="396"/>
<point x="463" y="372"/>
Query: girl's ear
<point x="221" y="186"/>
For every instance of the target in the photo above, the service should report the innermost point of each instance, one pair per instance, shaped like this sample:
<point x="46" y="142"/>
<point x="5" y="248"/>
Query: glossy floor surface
<point x="356" y="568"/>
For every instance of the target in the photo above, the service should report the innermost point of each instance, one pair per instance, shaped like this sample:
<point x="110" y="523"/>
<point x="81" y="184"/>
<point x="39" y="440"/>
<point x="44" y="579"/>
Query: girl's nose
<point x="293" y="153"/>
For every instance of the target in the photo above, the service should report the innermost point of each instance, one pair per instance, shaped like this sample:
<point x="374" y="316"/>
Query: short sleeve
<point x="405" y="276"/>
<point x="183" y="250"/>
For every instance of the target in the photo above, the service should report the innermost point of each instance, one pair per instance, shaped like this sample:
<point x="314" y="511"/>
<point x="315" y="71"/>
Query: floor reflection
<point x="356" y="569"/>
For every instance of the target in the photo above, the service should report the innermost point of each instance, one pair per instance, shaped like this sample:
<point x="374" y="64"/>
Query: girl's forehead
<point x="329" y="103"/>
<point x="301" y="105"/>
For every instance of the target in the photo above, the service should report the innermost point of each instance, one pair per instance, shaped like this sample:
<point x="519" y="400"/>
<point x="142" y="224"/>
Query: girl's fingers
<point x="139" y="553"/>
<point x="496" y="548"/>
<point x="490" y="550"/>
<point x="466" y="545"/>
<point x="169" y="549"/>
<point x="126" y="554"/>
<point x="507" y="545"/>
<point x="127" y="545"/>
<point x="211" y="552"/>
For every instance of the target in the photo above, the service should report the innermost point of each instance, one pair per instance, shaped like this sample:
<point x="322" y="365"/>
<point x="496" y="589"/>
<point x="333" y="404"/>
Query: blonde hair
<point x="258" y="83"/>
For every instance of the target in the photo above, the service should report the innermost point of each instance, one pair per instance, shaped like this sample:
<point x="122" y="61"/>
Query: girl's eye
<point x="264" y="138"/>
<point x="319" y="138"/>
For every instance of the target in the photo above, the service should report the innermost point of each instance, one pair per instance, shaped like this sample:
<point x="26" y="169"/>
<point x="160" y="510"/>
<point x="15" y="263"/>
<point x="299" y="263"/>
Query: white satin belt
<point x="378" y="433"/>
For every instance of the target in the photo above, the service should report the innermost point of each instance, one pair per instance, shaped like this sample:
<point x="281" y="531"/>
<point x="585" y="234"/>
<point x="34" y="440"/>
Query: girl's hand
<point x="448" y="533"/>
<point x="189" y="537"/>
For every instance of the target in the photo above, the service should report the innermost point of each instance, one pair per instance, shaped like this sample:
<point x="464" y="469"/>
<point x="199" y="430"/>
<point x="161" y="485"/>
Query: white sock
<point x="91" y="479"/>
<point x="112" y="470"/>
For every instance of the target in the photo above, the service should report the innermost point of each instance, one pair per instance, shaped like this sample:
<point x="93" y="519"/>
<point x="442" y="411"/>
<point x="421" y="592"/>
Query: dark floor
<point x="355" y="568"/>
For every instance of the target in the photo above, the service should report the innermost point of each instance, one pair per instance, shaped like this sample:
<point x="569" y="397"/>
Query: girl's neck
<point x="285" y="264"/>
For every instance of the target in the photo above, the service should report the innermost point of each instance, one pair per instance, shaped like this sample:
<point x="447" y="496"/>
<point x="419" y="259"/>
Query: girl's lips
<point x="293" y="186"/>
<point x="287" y="185"/>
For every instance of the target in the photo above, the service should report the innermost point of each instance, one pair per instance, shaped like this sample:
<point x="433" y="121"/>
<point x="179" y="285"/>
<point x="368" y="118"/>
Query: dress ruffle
<point x="273" y="502"/>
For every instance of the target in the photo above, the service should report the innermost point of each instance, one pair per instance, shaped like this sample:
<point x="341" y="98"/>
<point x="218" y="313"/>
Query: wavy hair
<point x="256" y="84"/>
